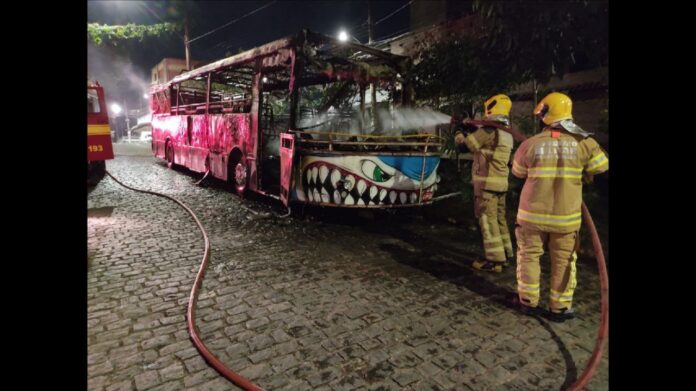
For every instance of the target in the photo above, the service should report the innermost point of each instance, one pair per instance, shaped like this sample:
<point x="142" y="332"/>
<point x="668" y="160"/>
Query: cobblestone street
<point x="321" y="302"/>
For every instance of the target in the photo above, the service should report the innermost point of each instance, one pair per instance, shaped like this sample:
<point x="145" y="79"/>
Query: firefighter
<point x="491" y="148"/>
<point x="554" y="163"/>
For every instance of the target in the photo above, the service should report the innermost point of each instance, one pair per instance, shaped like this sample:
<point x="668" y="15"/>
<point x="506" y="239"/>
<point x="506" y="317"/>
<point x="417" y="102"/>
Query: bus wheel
<point x="169" y="155"/>
<point x="241" y="175"/>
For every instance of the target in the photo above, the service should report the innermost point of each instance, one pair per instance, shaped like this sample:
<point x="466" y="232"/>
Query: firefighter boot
<point x="515" y="303"/>
<point x="561" y="316"/>
<point x="488" y="266"/>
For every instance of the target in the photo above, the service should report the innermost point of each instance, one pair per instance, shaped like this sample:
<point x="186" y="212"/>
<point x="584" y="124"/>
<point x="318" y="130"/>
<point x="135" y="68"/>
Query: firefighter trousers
<point x="562" y="250"/>
<point x="489" y="209"/>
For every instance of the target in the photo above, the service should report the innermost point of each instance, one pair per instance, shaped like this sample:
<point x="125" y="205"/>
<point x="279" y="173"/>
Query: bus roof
<point x="276" y="46"/>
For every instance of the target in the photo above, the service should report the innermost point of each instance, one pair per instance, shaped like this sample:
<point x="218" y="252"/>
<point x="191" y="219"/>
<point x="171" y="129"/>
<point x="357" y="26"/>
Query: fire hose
<point x="249" y="386"/>
<point x="603" y="332"/>
<point x="193" y="298"/>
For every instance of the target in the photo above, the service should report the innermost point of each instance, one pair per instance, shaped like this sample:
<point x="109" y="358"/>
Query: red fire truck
<point x="99" y="146"/>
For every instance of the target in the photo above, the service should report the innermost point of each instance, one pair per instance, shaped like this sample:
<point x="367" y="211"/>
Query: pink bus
<point x="305" y="119"/>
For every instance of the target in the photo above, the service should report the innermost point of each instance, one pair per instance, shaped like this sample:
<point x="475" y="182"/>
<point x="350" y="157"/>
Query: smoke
<point x="393" y="121"/>
<point x="119" y="77"/>
<point x="272" y="146"/>
<point x="410" y="120"/>
<point x="145" y="119"/>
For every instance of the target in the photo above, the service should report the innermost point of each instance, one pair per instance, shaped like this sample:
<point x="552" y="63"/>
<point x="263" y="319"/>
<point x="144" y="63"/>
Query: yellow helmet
<point x="554" y="107"/>
<point x="497" y="108"/>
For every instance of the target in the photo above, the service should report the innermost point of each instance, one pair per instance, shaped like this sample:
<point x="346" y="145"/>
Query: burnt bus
<point x="305" y="119"/>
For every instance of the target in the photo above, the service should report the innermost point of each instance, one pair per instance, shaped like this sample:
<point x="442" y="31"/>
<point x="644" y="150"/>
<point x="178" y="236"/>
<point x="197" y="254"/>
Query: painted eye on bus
<point x="374" y="172"/>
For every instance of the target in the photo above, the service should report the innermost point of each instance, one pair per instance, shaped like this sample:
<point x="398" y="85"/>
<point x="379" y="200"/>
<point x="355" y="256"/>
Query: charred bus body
<point x="305" y="119"/>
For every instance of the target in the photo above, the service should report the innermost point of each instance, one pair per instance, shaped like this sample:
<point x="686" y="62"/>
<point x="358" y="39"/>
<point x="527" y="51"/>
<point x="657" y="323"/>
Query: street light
<point x="145" y="96"/>
<point x="116" y="108"/>
<point x="343" y="36"/>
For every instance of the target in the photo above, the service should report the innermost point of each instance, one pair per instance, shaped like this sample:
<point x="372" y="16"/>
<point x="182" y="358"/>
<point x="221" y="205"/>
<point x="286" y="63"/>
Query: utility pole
<point x="535" y="120"/>
<point x="373" y="86"/>
<point x="370" y="24"/>
<point x="186" y="43"/>
<point x="125" y="109"/>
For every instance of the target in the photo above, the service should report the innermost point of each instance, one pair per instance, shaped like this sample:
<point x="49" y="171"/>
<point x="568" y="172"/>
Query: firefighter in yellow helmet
<point x="553" y="163"/>
<point x="491" y="148"/>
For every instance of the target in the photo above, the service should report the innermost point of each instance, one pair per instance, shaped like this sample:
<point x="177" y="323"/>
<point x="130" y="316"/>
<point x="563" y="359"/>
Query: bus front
<point x="359" y="142"/>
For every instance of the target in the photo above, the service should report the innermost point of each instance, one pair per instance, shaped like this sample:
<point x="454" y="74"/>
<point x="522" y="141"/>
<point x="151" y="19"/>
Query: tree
<point x="114" y="50"/>
<point x="541" y="39"/>
<point x="456" y="75"/>
<point x="104" y="34"/>
<point x="174" y="16"/>
<point x="517" y="42"/>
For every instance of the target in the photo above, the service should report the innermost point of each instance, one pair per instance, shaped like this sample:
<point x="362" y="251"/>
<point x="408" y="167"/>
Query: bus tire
<point x="238" y="173"/>
<point x="169" y="154"/>
<point x="241" y="177"/>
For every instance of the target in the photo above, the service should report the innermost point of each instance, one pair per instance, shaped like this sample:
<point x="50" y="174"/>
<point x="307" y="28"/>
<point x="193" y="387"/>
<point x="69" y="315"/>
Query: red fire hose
<point x="603" y="332"/>
<point x="193" y="298"/>
<point x="249" y="386"/>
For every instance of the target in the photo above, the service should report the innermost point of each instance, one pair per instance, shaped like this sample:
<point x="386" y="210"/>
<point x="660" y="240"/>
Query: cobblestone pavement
<point x="378" y="302"/>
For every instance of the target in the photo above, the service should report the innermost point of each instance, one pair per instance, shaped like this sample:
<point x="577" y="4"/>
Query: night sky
<point x="278" y="20"/>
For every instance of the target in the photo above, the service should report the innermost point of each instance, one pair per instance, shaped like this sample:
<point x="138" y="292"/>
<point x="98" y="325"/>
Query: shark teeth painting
<point x="368" y="181"/>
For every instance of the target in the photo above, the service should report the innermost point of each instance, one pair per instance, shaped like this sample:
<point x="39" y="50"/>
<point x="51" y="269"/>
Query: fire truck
<point x="99" y="147"/>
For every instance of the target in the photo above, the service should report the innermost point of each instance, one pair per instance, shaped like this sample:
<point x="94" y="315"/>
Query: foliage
<point x="518" y="41"/>
<point x="541" y="39"/>
<point x="100" y="34"/>
<point x="457" y="75"/>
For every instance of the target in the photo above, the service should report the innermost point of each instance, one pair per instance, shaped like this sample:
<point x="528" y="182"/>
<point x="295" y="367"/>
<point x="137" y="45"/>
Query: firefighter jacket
<point x="491" y="148"/>
<point x="553" y="162"/>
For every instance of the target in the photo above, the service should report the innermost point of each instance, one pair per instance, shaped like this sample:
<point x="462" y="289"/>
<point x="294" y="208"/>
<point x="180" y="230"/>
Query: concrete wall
<point x="586" y="113"/>
<point x="589" y="91"/>
<point x="169" y="68"/>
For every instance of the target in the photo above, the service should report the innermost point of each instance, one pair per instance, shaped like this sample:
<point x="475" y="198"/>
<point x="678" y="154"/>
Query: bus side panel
<point x="226" y="132"/>
<point x="198" y="149"/>
<point x="181" y="149"/>
<point x="167" y="127"/>
<point x="172" y="128"/>
<point x="159" y="134"/>
<point x="216" y="130"/>
<point x="287" y="151"/>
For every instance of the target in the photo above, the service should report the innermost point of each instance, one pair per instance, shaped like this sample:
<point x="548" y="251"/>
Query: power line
<point x="247" y="35"/>
<point x="233" y="21"/>
<point x="384" y="18"/>
<point x="153" y="13"/>
<point x="362" y="28"/>
<point x="357" y="30"/>
<point x="412" y="29"/>
<point x="392" y="14"/>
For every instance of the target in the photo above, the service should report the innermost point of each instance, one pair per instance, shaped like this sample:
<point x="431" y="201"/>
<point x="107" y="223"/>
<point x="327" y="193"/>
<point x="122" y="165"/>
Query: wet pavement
<point x="327" y="300"/>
